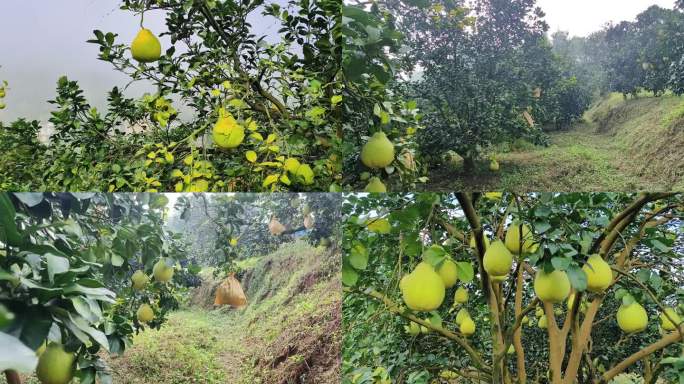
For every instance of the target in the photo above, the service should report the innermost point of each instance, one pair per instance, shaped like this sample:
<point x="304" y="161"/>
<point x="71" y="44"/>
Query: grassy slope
<point x="637" y="144"/>
<point x="289" y="333"/>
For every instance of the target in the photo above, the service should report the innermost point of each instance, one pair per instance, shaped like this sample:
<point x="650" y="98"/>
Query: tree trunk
<point x="12" y="377"/>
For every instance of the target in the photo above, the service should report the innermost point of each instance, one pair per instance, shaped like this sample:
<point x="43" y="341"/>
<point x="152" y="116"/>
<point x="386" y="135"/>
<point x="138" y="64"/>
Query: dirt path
<point x="576" y="160"/>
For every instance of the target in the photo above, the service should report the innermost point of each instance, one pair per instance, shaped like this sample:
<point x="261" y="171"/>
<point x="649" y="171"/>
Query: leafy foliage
<point x="285" y="94"/>
<point x="568" y="227"/>
<point x="65" y="271"/>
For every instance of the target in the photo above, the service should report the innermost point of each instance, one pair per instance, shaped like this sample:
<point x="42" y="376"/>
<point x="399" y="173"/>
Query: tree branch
<point x="666" y="340"/>
<point x="394" y="308"/>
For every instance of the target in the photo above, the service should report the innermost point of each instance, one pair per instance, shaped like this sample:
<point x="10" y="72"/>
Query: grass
<point x="634" y="144"/>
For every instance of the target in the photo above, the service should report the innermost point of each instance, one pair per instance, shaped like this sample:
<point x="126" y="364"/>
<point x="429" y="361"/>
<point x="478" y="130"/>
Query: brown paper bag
<point x="230" y="292"/>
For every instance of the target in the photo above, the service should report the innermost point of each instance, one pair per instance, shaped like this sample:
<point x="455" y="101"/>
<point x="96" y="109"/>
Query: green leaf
<point x="578" y="279"/>
<point x="465" y="270"/>
<point x="358" y="256"/>
<point x="56" y="265"/>
<point x="349" y="276"/>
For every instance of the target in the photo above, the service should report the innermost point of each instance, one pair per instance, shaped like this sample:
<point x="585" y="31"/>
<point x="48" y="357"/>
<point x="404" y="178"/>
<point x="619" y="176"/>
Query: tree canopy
<point x="516" y="331"/>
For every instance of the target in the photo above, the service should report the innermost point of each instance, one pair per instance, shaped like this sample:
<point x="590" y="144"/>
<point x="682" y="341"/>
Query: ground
<point x="635" y="144"/>
<point x="288" y="334"/>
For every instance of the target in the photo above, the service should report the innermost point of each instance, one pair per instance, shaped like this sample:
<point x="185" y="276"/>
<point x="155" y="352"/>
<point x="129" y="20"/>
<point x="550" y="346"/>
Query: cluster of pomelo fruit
<point x="424" y="289"/>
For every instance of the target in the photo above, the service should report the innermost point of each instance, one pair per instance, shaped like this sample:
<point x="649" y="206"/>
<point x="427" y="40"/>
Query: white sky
<point x="582" y="17"/>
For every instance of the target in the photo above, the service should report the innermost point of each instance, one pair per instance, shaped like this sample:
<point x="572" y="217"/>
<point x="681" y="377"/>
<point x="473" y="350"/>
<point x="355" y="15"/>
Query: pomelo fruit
<point x="422" y="289"/>
<point x="461" y="295"/>
<point x="497" y="259"/>
<point x="145" y="313"/>
<point x="375" y="186"/>
<point x="599" y="274"/>
<point x="448" y="272"/>
<point x="632" y="318"/>
<point x="668" y="325"/>
<point x="139" y="280"/>
<point x="378" y="152"/>
<point x="474" y="246"/>
<point x="162" y="272"/>
<point x="494" y="166"/>
<point x="467" y="326"/>
<point x="55" y="365"/>
<point x="552" y="287"/>
<point x="512" y="238"/>
<point x="146" y="48"/>
<point x="227" y="133"/>
<point x="461" y="315"/>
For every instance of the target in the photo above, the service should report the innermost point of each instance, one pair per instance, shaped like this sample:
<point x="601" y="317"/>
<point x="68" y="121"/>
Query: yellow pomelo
<point x="599" y="274"/>
<point x="494" y="166"/>
<point x="161" y="272"/>
<point x="525" y="320"/>
<point x="413" y="329"/>
<point x="375" y="186"/>
<point x="668" y="325"/>
<point x="139" y="280"/>
<point x="543" y="322"/>
<point x="539" y="312"/>
<point x="145" y="313"/>
<point x="378" y="152"/>
<point x="632" y="318"/>
<point x="461" y="295"/>
<point x="227" y="133"/>
<point x="146" y="47"/>
<point x="55" y="365"/>
<point x="511" y="350"/>
<point x="467" y="326"/>
<point x="461" y="315"/>
<point x="424" y="329"/>
<point x="422" y="289"/>
<point x="474" y="246"/>
<point x="513" y="238"/>
<point x="379" y="226"/>
<point x="448" y="272"/>
<point x="552" y="287"/>
<point x="497" y="259"/>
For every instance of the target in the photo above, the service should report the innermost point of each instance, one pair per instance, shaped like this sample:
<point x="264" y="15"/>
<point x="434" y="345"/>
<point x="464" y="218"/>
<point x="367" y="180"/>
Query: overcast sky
<point x="582" y="17"/>
<point x="41" y="40"/>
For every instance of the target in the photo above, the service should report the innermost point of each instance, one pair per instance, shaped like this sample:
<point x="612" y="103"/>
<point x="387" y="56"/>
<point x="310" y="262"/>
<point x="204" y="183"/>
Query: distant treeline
<point x="647" y="54"/>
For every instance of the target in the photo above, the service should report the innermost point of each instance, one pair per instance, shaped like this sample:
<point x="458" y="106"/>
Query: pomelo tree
<point x="376" y="105"/>
<point x="233" y="109"/>
<point x="80" y="274"/>
<point x="506" y="288"/>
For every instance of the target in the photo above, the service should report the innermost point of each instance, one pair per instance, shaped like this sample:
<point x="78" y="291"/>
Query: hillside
<point x="633" y="144"/>
<point x="289" y="332"/>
